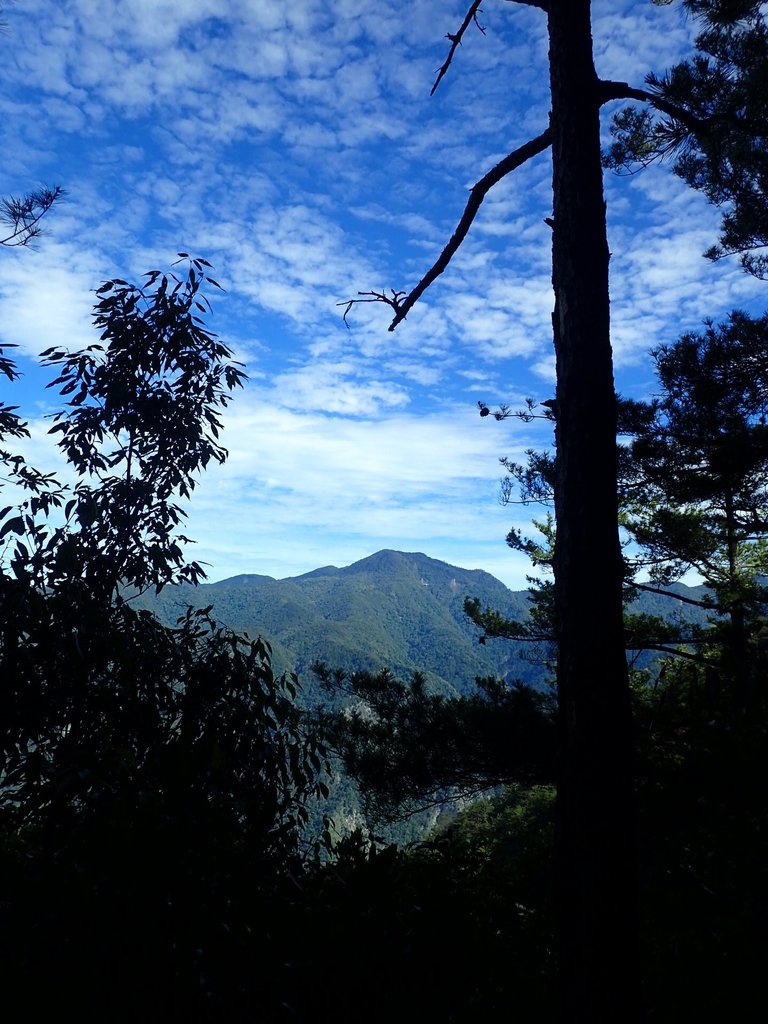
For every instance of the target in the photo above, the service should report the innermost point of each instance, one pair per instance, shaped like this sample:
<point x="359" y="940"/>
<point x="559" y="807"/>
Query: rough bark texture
<point x="595" y="790"/>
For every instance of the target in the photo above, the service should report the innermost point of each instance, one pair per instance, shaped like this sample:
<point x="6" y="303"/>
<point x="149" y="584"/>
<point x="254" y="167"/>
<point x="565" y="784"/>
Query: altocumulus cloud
<point x="296" y="147"/>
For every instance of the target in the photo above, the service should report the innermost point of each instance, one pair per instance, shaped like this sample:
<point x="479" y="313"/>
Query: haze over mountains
<point x="402" y="611"/>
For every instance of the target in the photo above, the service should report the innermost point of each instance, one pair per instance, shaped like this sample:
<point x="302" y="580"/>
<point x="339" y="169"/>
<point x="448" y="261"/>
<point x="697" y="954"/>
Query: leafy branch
<point x="23" y="215"/>
<point x="142" y="418"/>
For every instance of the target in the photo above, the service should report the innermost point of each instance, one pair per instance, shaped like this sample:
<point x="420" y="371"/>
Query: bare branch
<point x="393" y="300"/>
<point x="402" y="302"/>
<point x="471" y="16"/>
<point x="477" y="194"/>
<point x="676" y="652"/>
<point x="672" y="593"/>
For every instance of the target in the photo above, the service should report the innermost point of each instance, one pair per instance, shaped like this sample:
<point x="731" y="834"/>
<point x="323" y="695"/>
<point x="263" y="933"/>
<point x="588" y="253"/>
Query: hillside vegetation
<point x="397" y="610"/>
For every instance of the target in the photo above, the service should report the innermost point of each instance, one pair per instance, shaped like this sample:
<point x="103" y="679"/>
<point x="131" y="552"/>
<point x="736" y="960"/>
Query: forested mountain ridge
<point x="403" y="611"/>
<point x="398" y="610"/>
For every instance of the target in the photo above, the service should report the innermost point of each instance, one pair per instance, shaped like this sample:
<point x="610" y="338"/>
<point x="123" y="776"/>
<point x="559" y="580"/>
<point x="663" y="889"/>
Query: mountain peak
<point x="243" y="580"/>
<point x="388" y="560"/>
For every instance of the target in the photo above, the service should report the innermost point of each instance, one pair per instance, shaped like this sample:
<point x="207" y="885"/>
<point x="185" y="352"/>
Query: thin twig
<point x="393" y="300"/>
<point x="470" y="16"/>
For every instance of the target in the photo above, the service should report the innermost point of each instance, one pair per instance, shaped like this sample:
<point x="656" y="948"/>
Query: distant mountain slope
<point x="392" y="609"/>
<point x="403" y="611"/>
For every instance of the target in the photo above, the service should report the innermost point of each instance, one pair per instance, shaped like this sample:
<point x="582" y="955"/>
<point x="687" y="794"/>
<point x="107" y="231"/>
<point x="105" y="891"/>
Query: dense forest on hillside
<point x="162" y="855"/>
<point x="404" y="612"/>
<point x="396" y="610"/>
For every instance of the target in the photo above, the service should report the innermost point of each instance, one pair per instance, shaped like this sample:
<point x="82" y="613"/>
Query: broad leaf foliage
<point x="154" y="781"/>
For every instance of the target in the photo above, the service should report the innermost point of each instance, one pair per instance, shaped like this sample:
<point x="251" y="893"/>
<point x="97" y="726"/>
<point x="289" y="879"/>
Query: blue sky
<point x="296" y="147"/>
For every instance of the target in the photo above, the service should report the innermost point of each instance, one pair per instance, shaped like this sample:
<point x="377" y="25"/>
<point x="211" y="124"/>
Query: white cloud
<point x="633" y="38"/>
<point x="410" y="481"/>
<point x="297" y="148"/>
<point x="46" y="298"/>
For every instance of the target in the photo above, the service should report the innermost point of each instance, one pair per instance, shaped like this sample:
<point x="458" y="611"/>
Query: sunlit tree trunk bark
<point x="596" y="871"/>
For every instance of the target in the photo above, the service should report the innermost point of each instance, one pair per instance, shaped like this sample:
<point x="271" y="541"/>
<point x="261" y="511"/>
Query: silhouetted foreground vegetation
<point x="157" y="782"/>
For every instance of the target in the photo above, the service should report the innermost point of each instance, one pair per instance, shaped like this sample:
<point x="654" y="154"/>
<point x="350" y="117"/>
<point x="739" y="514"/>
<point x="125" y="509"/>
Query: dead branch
<point x="471" y="16"/>
<point x="401" y="302"/>
<point x="392" y="300"/>
<point x="477" y="194"/>
<point x="672" y="593"/>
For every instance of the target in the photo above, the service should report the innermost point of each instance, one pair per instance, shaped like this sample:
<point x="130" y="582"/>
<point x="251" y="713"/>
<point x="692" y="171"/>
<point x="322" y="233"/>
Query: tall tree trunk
<point x="596" y="868"/>
<point x="737" y="655"/>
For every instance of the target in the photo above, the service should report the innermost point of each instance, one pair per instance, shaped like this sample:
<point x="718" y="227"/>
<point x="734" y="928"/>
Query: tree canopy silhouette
<point x="154" y="780"/>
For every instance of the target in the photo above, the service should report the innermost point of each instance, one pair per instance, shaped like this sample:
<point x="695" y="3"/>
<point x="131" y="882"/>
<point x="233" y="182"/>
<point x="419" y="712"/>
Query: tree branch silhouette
<point x="24" y="215"/>
<point x="402" y="302"/>
<point x="471" y="16"/>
